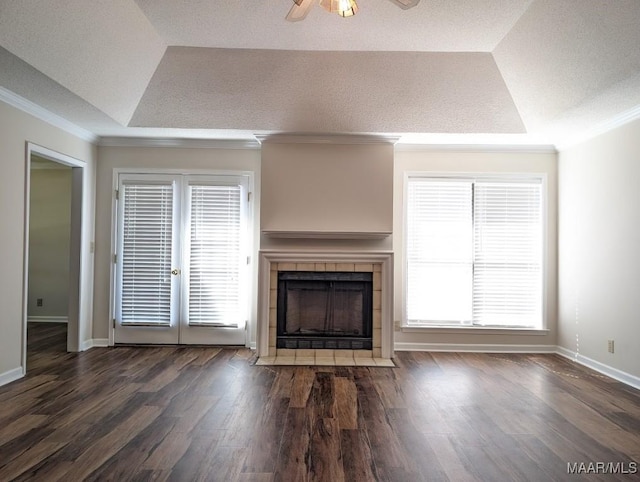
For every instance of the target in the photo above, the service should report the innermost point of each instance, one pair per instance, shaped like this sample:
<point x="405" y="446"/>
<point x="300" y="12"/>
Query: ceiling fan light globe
<point x="344" y="8"/>
<point x="347" y="8"/>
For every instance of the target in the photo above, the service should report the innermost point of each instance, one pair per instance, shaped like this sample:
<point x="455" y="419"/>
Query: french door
<point x="181" y="259"/>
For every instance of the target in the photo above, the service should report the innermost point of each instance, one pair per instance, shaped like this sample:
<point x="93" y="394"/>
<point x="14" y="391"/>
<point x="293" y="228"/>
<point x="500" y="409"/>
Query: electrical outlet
<point x="610" y="346"/>
<point x="39" y="302"/>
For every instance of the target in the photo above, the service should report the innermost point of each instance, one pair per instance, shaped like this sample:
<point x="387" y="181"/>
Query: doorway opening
<point x="53" y="218"/>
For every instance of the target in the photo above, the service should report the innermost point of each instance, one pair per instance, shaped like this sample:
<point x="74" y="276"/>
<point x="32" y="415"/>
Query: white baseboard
<point x="94" y="343"/>
<point x="474" y="348"/>
<point x="614" y="373"/>
<point x="11" y="376"/>
<point x="48" y="319"/>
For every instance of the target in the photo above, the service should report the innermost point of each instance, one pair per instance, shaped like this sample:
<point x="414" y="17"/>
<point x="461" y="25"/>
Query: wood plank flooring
<point x="183" y="414"/>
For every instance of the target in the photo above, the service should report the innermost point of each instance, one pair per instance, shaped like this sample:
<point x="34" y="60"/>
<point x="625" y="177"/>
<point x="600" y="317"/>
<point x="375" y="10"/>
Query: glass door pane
<point x="214" y="282"/>
<point x="147" y="239"/>
<point x="181" y="259"/>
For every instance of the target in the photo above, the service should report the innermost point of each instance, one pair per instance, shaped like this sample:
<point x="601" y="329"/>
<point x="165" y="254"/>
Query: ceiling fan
<point x="344" y="8"/>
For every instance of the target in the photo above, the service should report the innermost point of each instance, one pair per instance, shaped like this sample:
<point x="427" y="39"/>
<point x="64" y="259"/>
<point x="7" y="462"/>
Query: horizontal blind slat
<point x="507" y="254"/>
<point x="438" y="250"/>
<point x="146" y="253"/>
<point x="214" y="256"/>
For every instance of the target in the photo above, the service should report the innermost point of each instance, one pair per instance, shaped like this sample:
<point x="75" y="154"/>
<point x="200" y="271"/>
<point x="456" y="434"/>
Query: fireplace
<point x="324" y="310"/>
<point x="364" y="269"/>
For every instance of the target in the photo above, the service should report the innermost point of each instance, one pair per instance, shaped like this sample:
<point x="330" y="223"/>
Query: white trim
<point x="602" y="128"/>
<point x="474" y="348"/>
<point x="179" y="142"/>
<point x="45" y="115"/>
<point x="11" y="376"/>
<point x="47" y="319"/>
<point x="94" y="343"/>
<point x="512" y="176"/>
<point x="327" y="139"/>
<point x="480" y="148"/>
<point x="187" y="172"/>
<point x="597" y="366"/>
<point x="327" y="234"/>
<point x="77" y="266"/>
<point x="54" y="156"/>
<point x="607" y="370"/>
<point x="473" y="330"/>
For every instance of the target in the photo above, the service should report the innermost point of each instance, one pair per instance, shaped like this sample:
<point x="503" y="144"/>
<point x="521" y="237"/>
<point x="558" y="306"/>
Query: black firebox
<point x="325" y="310"/>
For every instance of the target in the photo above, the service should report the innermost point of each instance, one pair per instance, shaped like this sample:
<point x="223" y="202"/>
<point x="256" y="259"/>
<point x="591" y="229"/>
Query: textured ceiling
<point x="562" y="58"/>
<point x="229" y="69"/>
<point x="431" y="26"/>
<point x="423" y="92"/>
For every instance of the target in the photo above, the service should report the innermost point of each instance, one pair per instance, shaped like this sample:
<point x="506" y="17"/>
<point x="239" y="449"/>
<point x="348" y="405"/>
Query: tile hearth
<point x="346" y="358"/>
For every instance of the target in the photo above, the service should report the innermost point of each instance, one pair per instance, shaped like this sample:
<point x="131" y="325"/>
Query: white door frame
<point x="183" y="172"/>
<point x="76" y="268"/>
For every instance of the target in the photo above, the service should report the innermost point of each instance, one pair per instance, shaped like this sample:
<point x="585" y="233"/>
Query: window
<point x="474" y="251"/>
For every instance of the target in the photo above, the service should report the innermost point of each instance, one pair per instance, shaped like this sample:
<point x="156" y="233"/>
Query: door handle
<point x="175" y="272"/>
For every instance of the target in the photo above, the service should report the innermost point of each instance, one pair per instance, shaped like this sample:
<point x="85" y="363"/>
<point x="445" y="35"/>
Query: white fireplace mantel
<point x="383" y="258"/>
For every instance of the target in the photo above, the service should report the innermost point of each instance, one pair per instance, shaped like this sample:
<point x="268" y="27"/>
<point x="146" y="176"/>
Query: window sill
<point x="476" y="330"/>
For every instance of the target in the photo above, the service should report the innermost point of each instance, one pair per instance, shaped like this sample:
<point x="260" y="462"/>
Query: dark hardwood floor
<point x="179" y="413"/>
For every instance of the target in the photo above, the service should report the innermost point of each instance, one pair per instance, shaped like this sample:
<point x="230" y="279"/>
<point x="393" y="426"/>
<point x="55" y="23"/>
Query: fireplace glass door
<point x="324" y="310"/>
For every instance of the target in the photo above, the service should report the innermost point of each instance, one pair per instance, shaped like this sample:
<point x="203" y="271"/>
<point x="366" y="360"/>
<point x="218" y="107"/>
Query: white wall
<point x="158" y="158"/>
<point x="599" y="248"/>
<point x="49" y="240"/>
<point x="16" y="129"/>
<point x="461" y="161"/>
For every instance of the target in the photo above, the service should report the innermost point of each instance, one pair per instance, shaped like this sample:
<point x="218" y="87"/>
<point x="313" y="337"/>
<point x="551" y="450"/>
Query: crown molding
<point x="20" y="103"/>
<point x="179" y="142"/>
<point x="327" y="139"/>
<point x="520" y="148"/>
<point x="606" y="126"/>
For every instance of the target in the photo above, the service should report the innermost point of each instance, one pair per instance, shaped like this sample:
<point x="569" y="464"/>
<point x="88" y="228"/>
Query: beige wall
<point x="17" y="128"/>
<point x="143" y="158"/>
<point x="49" y="238"/>
<point x="599" y="248"/>
<point x="327" y="187"/>
<point x="441" y="161"/>
<point x="597" y="239"/>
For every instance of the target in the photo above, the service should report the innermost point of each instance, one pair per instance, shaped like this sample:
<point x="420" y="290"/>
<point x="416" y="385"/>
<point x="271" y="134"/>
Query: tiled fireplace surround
<point x="380" y="263"/>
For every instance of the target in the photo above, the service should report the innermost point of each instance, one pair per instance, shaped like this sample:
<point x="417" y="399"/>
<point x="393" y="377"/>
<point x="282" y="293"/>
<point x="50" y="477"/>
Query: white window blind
<point x="507" y="254"/>
<point x="439" y="242"/>
<point x="214" y="255"/>
<point x="474" y="252"/>
<point x="147" y="236"/>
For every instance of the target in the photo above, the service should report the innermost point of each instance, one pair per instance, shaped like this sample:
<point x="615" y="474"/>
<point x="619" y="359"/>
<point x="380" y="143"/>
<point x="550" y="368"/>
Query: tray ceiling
<point x="542" y="69"/>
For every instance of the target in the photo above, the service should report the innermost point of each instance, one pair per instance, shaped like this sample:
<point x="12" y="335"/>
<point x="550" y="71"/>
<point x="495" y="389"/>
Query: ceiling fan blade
<point x="405" y="4"/>
<point x="299" y="10"/>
